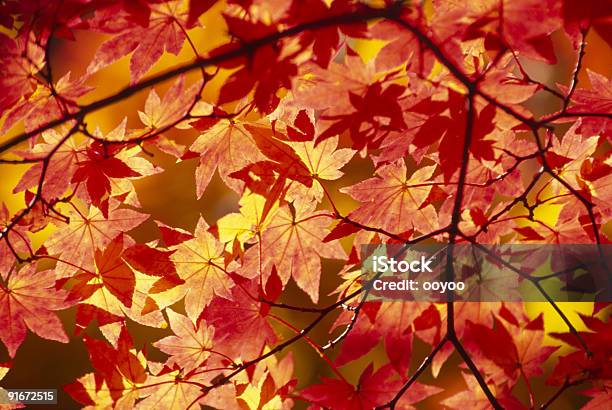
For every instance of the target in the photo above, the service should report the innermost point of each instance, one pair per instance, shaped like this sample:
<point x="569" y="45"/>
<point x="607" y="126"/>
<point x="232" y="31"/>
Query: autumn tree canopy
<point x="308" y="129"/>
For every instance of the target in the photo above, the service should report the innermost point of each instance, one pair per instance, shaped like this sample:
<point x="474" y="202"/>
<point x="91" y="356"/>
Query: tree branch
<point x="422" y="367"/>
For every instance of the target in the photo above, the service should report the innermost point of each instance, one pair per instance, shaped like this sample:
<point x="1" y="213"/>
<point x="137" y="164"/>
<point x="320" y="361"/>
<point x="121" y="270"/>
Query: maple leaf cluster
<point x="333" y="124"/>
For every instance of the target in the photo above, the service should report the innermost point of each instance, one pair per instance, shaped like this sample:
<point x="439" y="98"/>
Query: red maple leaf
<point x="297" y="238"/>
<point x="264" y="70"/>
<point x="236" y="320"/>
<point x="598" y="99"/>
<point x="574" y="366"/>
<point x="222" y="147"/>
<point x="200" y="262"/>
<point x="374" y="389"/>
<point x="391" y="202"/>
<point x="448" y="127"/>
<point x="17" y="242"/>
<point x="29" y="301"/>
<point x="394" y="322"/>
<point x="164" y="31"/>
<point x="77" y="241"/>
<point x="113" y="278"/>
<point x="190" y="345"/>
<point x="516" y="349"/>
<point x="475" y="398"/>
<point x="60" y="169"/>
<point x="96" y="170"/>
<point x="20" y="60"/>
<point x="324" y="41"/>
<point x="119" y="367"/>
<point x="47" y="104"/>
